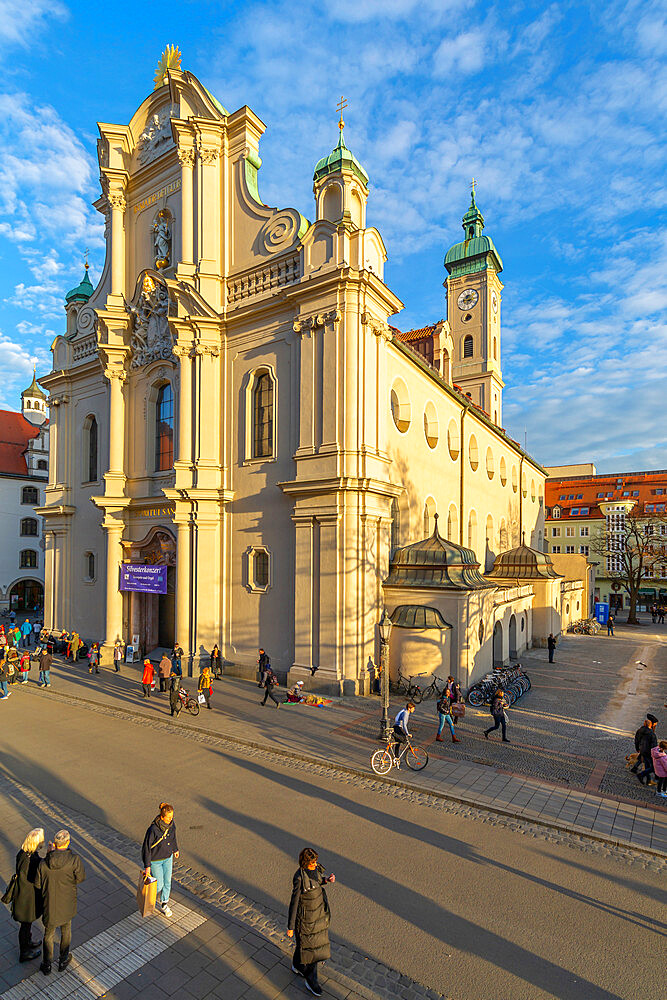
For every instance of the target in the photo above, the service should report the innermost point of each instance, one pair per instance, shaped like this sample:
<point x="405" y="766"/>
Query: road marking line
<point x="110" y="957"/>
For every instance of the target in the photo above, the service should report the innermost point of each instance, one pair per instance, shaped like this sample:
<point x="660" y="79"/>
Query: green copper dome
<point x="82" y="292"/>
<point x="477" y="250"/>
<point x="340" y="159"/>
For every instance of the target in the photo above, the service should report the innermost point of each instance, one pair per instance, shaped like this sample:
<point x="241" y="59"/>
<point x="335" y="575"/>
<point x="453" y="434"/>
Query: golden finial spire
<point x="170" y="59"/>
<point x="473" y="185"/>
<point x="339" y="107"/>
<point x="85" y="254"/>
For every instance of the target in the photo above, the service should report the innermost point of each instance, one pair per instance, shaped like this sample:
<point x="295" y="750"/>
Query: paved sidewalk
<point x="218" y="944"/>
<point x="343" y="736"/>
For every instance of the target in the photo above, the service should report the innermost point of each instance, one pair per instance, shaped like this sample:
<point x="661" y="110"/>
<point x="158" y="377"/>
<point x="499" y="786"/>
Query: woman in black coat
<point x="27" y="902"/>
<point x="216" y="662"/>
<point x="309" y="918"/>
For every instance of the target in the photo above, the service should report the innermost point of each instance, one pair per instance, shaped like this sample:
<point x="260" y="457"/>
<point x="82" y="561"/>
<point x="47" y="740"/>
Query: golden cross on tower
<point x="85" y="254"/>
<point x="473" y="185"/>
<point x="339" y="107"/>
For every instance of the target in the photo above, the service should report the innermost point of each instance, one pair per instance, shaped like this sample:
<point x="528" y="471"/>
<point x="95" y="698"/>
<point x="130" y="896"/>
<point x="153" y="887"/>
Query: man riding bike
<point x="401" y="732"/>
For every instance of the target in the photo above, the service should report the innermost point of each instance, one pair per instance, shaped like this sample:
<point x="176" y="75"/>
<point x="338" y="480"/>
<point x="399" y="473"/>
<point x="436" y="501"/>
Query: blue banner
<point x="145" y="579"/>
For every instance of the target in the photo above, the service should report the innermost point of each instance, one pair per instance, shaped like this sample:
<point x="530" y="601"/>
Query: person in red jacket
<point x="147" y="678"/>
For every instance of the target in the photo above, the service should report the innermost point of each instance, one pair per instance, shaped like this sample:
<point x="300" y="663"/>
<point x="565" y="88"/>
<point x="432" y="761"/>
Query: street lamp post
<point x="385" y="631"/>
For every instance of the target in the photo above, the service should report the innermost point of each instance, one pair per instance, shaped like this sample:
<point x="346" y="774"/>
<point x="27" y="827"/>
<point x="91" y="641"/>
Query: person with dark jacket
<point x="498" y="706"/>
<point x="176" y="657"/>
<point x="269" y="680"/>
<point x="308" y="918"/>
<point x="444" y="709"/>
<point x="216" y="662"/>
<point x="57" y="877"/>
<point x="27" y="902"/>
<point x="551" y="643"/>
<point x="175" y="703"/>
<point x="263" y="663"/>
<point x="45" y="661"/>
<point x="159" y="849"/>
<point x="645" y="740"/>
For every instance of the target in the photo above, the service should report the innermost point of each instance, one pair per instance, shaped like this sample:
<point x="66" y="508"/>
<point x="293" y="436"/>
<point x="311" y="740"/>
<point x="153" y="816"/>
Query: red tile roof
<point x="421" y="333"/>
<point x="15" y="435"/>
<point x="582" y="491"/>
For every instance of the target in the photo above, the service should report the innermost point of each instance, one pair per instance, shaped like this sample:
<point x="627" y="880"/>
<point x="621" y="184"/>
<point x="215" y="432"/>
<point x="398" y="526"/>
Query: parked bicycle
<point x="383" y="760"/>
<point x="405" y="686"/>
<point x="513" y="680"/>
<point x="434" y="689"/>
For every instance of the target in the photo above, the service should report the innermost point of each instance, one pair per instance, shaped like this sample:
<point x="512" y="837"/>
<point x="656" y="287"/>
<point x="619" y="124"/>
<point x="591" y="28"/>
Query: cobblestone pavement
<point x="564" y="768"/>
<point x="219" y="944"/>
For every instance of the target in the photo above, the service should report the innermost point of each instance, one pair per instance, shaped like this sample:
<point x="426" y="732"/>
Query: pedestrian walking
<point x="269" y="682"/>
<point x="24" y="667"/>
<point x="147" y="679"/>
<point x="175" y="703"/>
<point x="45" y="661"/>
<point x="262" y="663"/>
<point x="36" y="629"/>
<point x="498" y="706"/>
<point x="444" y="707"/>
<point x="216" y="662"/>
<point x="164" y="672"/>
<point x="661" y="615"/>
<point x="57" y="877"/>
<point x="26" y="634"/>
<point x="12" y="617"/>
<point x="176" y="658"/>
<point x="12" y="665"/>
<point x="610" y="625"/>
<point x="645" y="740"/>
<point x="4" y="677"/>
<point x="27" y="901"/>
<point x="659" y="755"/>
<point x="205" y="685"/>
<point x="94" y="658"/>
<point x="654" y="613"/>
<point x="551" y="643"/>
<point x="159" y="849"/>
<point x="117" y="655"/>
<point x="308" y="918"/>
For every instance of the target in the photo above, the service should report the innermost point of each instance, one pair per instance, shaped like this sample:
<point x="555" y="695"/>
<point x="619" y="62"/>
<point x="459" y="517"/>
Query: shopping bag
<point x="200" y="698"/>
<point x="458" y="709"/>
<point x="146" y="895"/>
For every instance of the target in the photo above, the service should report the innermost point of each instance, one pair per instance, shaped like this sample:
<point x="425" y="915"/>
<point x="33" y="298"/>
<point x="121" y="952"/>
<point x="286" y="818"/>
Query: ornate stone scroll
<point x="306" y="325"/>
<point x="376" y="326"/>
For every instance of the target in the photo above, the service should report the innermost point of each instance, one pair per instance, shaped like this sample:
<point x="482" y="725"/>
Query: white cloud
<point x="21" y="19"/>
<point x="464" y="53"/>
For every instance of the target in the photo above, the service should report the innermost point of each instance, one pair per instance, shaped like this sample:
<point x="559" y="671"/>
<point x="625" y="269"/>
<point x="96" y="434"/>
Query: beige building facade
<point x="261" y="430"/>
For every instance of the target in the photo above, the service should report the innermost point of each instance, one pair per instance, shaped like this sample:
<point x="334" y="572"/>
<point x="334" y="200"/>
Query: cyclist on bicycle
<point x="401" y="732"/>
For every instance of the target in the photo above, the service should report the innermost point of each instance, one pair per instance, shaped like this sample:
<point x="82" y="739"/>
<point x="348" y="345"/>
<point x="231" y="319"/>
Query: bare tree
<point x="634" y="547"/>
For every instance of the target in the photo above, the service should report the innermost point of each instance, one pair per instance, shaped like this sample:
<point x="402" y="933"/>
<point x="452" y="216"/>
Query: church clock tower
<point x="473" y="312"/>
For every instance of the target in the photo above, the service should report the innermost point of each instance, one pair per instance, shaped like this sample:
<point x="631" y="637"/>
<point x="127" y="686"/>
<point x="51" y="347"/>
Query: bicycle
<point x="433" y="690"/>
<point x="404" y="686"/>
<point x="382" y="761"/>
<point x="188" y="702"/>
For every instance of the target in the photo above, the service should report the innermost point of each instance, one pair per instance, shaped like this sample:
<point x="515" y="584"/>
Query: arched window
<point x="92" y="450"/>
<point x="30" y="494"/>
<point x="164" y="429"/>
<point x="467" y="346"/>
<point x="262" y="423"/>
<point x="89" y="565"/>
<point x="395" y="539"/>
<point x="28" y="559"/>
<point x="28" y="526"/>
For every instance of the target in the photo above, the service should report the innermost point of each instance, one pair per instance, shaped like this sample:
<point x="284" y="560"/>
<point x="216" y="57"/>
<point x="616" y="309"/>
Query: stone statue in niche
<point x="151" y="336"/>
<point x="162" y="239"/>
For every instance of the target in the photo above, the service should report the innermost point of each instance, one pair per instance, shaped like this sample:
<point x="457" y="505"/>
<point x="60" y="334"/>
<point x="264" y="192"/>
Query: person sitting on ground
<point x="659" y="755"/>
<point x="294" y="693"/>
<point x="401" y="732"/>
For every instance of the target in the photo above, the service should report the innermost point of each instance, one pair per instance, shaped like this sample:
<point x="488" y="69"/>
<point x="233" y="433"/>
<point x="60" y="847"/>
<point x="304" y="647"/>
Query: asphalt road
<point x="473" y="910"/>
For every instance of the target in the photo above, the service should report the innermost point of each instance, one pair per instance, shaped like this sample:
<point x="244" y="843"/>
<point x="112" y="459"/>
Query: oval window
<point x="431" y="425"/>
<point x="490" y="464"/>
<point x="503" y="472"/>
<point x="453" y="442"/>
<point x="473" y="453"/>
<point x="400" y="405"/>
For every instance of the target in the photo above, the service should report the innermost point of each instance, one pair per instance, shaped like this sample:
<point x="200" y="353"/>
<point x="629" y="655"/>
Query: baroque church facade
<point x="232" y="403"/>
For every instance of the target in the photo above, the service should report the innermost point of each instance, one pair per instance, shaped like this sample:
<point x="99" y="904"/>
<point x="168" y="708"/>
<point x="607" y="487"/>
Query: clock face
<point x="467" y="299"/>
<point x="494" y="301"/>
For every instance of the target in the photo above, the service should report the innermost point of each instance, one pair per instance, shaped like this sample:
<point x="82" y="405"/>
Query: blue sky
<point x="558" y="111"/>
